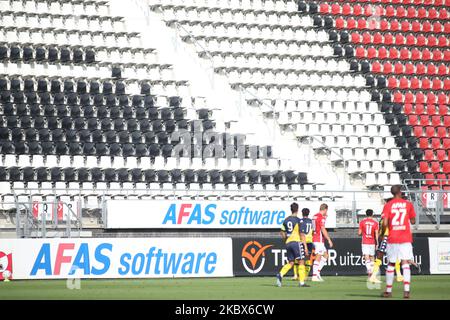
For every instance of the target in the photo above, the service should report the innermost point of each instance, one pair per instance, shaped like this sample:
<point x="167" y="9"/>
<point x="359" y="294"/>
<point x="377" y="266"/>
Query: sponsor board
<point x="117" y="258"/>
<point x="265" y="257"/>
<point x="439" y="255"/>
<point x="430" y="199"/>
<point x="50" y="211"/>
<point x="142" y="214"/>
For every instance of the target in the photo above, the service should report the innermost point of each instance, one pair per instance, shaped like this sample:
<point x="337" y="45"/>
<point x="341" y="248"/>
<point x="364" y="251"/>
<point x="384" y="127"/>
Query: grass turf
<point x="258" y="288"/>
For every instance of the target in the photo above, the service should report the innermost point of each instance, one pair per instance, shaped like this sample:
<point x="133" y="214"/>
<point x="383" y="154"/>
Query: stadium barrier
<point x="116" y="258"/>
<point x="265" y="256"/>
<point x="247" y="214"/>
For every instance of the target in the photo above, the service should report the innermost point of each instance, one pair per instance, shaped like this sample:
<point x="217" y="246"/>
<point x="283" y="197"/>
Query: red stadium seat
<point x="442" y="98"/>
<point x="415" y="83"/>
<point x="390" y="11"/>
<point x="324" y="8"/>
<point x="411" y="12"/>
<point x="442" y="132"/>
<point x="447" y="27"/>
<point x="429" y="155"/>
<point x="443" y="14"/>
<point x="436" y="121"/>
<point x="351" y="23"/>
<point x="407" y="109"/>
<point x="394" y="25"/>
<point x="426" y="54"/>
<point x="423" y="167"/>
<point x="447" y="55"/>
<point x="416" y="54"/>
<point x="360" y="52"/>
<point x="446" y="84"/>
<point x="442" y="70"/>
<point x="424" y="120"/>
<point x="413" y="119"/>
<point x="384" y="25"/>
<point x="435" y="143"/>
<point x="435" y="167"/>
<point x="426" y="26"/>
<point x="431" y="98"/>
<point x="429" y="179"/>
<point x="366" y="38"/>
<point x="419" y="97"/>
<point x="392" y="83"/>
<point x="393" y="53"/>
<point x="356" y="37"/>
<point x="437" y="27"/>
<point x="388" y="39"/>
<point x="410" y="39"/>
<point x="437" y="55"/>
<point x="404" y="54"/>
<point x="431" y="109"/>
<point x="431" y="68"/>
<point x="446" y="121"/>
<point x="387" y="67"/>
<point x="441" y="155"/>
<point x="437" y="84"/>
<point x="424" y="143"/>
<point x="346" y="9"/>
<point x="432" y="41"/>
<point x="405" y="26"/>
<point x="335" y="9"/>
<point x="404" y="83"/>
<point x="398" y="97"/>
<point x="362" y="24"/>
<point x="421" y="40"/>
<point x="426" y="84"/>
<point x="418" y="131"/>
<point x="399" y="68"/>
<point x="443" y="110"/>
<point x="416" y="26"/>
<point x="429" y="131"/>
<point x="446" y="167"/>
<point x="376" y="67"/>
<point x="420" y="109"/>
<point x="401" y="12"/>
<point x="442" y="41"/>
<point x="410" y="68"/>
<point x="340" y="23"/>
<point x="421" y="13"/>
<point x="377" y="38"/>
<point x="382" y="53"/>
<point x="357" y="10"/>
<point x="446" y="143"/>
<point x="368" y="10"/>
<point x="432" y="13"/>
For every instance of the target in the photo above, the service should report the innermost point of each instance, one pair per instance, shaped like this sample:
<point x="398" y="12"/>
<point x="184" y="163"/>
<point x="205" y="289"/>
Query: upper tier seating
<point x="403" y="49"/>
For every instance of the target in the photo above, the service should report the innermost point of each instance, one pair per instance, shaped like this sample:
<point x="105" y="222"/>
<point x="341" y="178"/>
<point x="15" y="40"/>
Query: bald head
<point x="396" y="191"/>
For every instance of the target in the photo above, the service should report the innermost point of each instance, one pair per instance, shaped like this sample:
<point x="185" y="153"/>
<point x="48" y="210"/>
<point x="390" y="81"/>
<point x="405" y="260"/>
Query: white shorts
<point x="319" y="248"/>
<point x="368" y="249"/>
<point x="399" y="251"/>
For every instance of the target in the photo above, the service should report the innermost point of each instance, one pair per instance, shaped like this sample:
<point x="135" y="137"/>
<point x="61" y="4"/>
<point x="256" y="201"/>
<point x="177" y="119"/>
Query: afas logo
<point x="5" y="266"/>
<point x="253" y="256"/>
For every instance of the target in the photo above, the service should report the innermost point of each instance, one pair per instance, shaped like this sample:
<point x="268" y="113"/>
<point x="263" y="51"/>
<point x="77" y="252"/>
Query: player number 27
<point x="399" y="217"/>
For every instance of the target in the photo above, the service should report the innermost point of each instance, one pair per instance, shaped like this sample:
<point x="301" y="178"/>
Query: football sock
<point x="368" y="266"/>
<point x="322" y="263"/>
<point x="397" y="268"/>
<point x="376" y="266"/>
<point x="301" y="273"/>
<point x="285" y="269"/>
<point x="307" y="267"/>
<point x="389" y="277"/>
<point x="296" y="270"/>
<point x="315" y="269"/>
<point x="406" y="276"/>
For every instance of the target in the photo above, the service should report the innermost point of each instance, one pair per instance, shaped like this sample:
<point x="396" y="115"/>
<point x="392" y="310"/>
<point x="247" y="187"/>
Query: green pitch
<point x="423" y="287"/>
